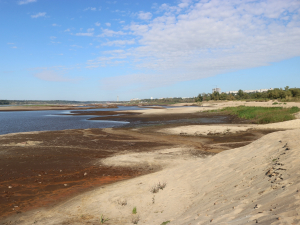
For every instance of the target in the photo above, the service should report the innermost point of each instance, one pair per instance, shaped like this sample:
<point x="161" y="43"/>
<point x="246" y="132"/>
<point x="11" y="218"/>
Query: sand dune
<point x="257" y="183"/>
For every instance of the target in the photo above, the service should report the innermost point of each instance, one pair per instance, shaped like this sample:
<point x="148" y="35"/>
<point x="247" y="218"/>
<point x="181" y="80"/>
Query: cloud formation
<point x="145" y="15"/>
<point x="110" y="33"/>
<point x="24" y="2"/>
<point x="90" y="8"/>
<point x="119" y="42"/>
<point x="50" y="75"/>
<point x="205" y="38"/>
<point x="40" y="14"/>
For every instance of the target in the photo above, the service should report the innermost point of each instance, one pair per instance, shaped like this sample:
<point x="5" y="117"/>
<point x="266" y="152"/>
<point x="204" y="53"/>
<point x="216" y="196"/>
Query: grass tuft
<point x="103" y="220"/>
<point x="134" y="210"/>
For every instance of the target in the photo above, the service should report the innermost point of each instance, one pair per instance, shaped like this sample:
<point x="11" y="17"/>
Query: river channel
<point x="26" y="121"/>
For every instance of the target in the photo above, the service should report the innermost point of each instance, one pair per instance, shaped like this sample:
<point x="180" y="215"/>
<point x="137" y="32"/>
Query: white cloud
<point x="67" y="30"/>
<point x="90" y="8"/>
<point x="108" y="24"/>
<point x="41" y="14"/>
<point x="90" y="30"/>
<point x="113" y="57"/>
<point x="14" y="47"/>
<point x="24" y="2"/>
<point x="110" y="33"/>
<point x="97" y="24"/>
<point x="52" y="37"/>
<point x="76" y="46"/>
<point x="119" y="42"/>
<point x="145" y="15"/>
<point x="55" y="25"/>
<point x="50" y="75"/>
<point x="10" y="43"/>
<point x="197" y="40"/>
<point x="85" y="34"/>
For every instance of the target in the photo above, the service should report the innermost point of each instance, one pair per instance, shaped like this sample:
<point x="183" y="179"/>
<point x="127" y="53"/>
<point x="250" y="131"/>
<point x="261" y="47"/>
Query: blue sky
<point x="97" y="50"/>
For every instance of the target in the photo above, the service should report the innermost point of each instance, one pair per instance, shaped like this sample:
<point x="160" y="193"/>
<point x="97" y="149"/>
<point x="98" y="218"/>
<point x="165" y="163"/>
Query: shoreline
<point x="172" y="152"/>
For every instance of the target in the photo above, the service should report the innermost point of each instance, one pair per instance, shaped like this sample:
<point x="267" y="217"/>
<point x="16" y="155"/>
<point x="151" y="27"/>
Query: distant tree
<point x="199" y="98"/>
<point x="215" y="95"/>
<point x="295" y="92"/>
<point x="223" y="96"/>
<point x="230" y="97"/>
<point x="4" y="102"/>
<point x="240" y="94"/>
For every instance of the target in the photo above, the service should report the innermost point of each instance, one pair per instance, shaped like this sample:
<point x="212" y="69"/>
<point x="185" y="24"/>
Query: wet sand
<point x="41" y="169"/>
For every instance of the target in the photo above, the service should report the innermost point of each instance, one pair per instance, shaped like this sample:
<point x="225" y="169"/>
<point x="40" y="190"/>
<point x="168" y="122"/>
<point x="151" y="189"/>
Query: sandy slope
<point x="258" y="183"/>
<point x="229" y="128"/>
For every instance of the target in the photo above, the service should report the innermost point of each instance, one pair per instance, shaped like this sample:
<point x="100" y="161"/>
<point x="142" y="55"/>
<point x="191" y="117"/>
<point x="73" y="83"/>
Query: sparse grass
<point x="154" y="189"/>
<point x="263" y="115"/>
<point x="122" y="202"/>
<point x="103" y="220"/>
<point x="275" y="103"/>
<point x="166" y="222"/>
<point x="158" y="186"/>
<point x="134" y="210"/>
<point x="161" y="185"/>
<point x="135" y="220"/>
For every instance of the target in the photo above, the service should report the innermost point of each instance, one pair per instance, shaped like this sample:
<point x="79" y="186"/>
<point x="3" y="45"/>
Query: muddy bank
<point x="138" y="118"/>
<point x="44" y="168"/>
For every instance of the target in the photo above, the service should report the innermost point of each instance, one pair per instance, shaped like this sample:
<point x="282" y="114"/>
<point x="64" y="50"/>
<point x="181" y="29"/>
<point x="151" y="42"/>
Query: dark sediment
<point x="42" y="169"/>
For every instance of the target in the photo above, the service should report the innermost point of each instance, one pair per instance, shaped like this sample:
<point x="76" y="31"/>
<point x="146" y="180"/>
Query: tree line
<point x="277" y="93"/>
<point x="4" y="102"/>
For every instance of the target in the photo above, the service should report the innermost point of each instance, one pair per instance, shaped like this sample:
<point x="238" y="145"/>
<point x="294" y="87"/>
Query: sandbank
<point x="256" y="183"/>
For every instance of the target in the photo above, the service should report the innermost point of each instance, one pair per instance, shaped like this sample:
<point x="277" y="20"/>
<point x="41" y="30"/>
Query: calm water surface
<point x="25" y="121"/>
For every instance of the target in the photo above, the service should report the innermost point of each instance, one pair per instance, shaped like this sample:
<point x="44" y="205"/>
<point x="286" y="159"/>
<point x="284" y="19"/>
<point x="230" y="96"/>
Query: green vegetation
<point x="166" y="222"/>
<point x="134" y="210"/>
<point x="163" y="101"/>
<point x="284" y="95"/>
<point x="103" y="220"/>
<point x="263" y="115"/>
<point x="4" y="102"/>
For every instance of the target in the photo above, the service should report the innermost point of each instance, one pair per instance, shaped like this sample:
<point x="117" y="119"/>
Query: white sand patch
<point x="257" y="182"/>
<point x="228" y="128"/>
<point x="204" y="129"/>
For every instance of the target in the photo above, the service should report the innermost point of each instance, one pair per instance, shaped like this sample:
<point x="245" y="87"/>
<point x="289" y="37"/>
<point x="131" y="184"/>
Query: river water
<point x="25" y="121"/>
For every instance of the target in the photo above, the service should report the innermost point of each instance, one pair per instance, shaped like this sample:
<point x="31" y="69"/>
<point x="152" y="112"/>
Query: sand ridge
<point x="258" y="182"/>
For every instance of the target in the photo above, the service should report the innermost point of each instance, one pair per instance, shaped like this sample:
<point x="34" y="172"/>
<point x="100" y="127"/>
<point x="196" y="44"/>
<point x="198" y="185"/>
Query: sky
<point x="96" y="50"/>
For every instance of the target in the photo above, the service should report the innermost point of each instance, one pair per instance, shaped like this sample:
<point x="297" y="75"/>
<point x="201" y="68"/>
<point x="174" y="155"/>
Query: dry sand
<point x="257" y="183"/>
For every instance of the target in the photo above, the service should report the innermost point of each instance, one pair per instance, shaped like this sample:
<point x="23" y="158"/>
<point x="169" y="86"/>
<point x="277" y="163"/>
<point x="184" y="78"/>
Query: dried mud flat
<point x="43" y="169"/>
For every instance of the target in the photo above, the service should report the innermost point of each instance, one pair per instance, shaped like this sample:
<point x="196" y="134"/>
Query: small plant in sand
<point x="103" y="219"/>
<point x="166" y="222"/>
<point x="154" y="189"/>
<point x="135" y="219"/>
<point x="161" y="185"/>
<point x="158" y="186"/>
<point x="122" y="202"/>
<point x="134" y="210"/>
